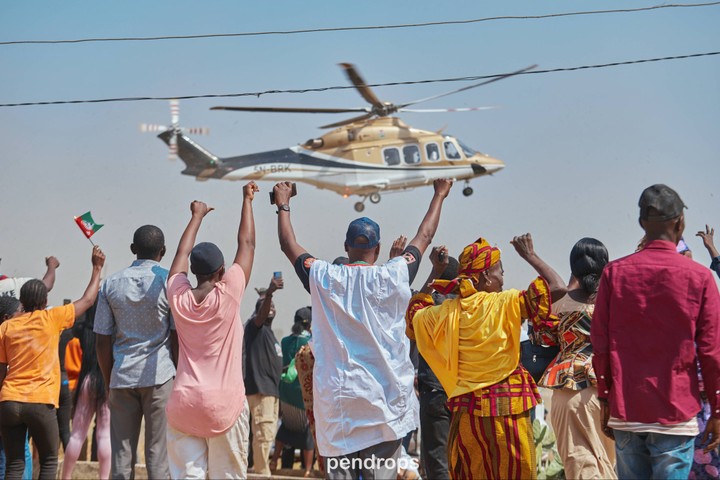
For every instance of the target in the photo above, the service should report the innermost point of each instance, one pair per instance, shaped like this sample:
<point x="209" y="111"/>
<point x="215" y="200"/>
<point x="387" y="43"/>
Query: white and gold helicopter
<point x="364" y="155"/>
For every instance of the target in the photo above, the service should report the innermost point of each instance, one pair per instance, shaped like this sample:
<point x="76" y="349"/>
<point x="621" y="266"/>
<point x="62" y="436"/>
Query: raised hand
<point x="98" y="257"/>
<point x="524" y="245"/>
<point x="52" y="262"/>
<point x="708" y="240"/>
<point x="398" y="246"/>
<point x="200" y="209"/>
<point x="439" y="259"/>
<point x="277" y="283"/>
<point x="249" y="190"/>
<point x="442" y="186"/>
<point x="283" y="192"/>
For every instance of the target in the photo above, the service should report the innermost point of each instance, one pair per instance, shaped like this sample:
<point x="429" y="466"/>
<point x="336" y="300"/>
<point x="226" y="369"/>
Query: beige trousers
<point x="264" y="410"/>
<point x="586" y="452"/>
<point x="222" y="456"/>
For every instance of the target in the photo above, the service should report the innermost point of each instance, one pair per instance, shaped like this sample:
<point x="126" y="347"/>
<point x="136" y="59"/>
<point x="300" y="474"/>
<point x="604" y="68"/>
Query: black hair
<point x="452" y="269"/>
<point x="587" y="260"/>
<point x="300" y="324"/>
<point x="148" y="241"/>
<point x="90" y="368"/>
<point x="8" y="306"/>
<point x="33" y="295"/>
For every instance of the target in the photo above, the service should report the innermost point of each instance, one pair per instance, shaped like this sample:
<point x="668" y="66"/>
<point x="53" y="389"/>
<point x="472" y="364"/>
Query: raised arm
<point x="524" y="246"/>
<point x="266" y="305"/>
<point x="439" y="259"/>
<point x="180" y="263"/>
<point x="88" y="298"/>
<point x="52" y="264"/>
<point x="429" y="224"/>
<point x="246" y="231"/>
<point x="288" y="244"/>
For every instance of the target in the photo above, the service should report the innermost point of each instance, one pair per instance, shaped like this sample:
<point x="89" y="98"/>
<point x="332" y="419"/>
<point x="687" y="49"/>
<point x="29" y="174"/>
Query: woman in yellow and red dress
<point x="472" y="343"/>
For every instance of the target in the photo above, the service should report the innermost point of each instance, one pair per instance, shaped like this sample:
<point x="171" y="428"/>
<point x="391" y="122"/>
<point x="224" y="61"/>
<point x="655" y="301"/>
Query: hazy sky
<point x="579" y="146"/>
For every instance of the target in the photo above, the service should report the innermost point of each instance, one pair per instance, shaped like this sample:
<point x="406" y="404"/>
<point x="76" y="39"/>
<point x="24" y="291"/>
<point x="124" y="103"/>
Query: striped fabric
<point x="491" y="447"/>
<point x="516" y="394"/>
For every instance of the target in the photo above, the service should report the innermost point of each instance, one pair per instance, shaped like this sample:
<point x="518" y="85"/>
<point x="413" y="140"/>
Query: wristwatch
<point x="284" y="207"/>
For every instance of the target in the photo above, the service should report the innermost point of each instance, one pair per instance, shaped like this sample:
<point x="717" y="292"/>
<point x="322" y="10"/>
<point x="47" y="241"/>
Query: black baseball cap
<point x="303" y="315"/>
<point x="659" y="203"/>
<point x="362" y="227"/>
<point x="206" y="258"/>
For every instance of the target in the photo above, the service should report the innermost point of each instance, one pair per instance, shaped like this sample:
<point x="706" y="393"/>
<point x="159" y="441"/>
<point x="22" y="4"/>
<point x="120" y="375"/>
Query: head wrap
<point x="475" y="259"/>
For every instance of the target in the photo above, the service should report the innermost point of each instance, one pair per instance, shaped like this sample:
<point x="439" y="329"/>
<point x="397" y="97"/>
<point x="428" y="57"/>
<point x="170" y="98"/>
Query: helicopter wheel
<point x="374" y="197"/>
<point x="359" y="206"/>
<point x="467" y="191"/>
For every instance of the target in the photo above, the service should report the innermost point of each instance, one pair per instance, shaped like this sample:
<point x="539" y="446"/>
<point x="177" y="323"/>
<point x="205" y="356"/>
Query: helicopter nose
<point x="478" y="169"/>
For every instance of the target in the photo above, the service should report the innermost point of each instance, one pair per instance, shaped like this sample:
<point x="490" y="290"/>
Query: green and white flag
<point x="87" y="224"/>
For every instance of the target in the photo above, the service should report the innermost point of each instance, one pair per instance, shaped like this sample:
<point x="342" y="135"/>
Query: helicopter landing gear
<point x="359" y="206"/>
<point x="467" y="191"/>
<point x="375" y="197"/>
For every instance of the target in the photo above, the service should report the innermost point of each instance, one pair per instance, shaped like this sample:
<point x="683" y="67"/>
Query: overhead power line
<point x="359" y="28"/>
<point x="346" y="87"/>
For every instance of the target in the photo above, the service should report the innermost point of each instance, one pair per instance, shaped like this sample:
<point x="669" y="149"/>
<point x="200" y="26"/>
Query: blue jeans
<point x="653" y="455"/>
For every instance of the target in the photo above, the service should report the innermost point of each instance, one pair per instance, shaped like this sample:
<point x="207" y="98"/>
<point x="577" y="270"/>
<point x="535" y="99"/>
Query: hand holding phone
<point x="293" y="192"/>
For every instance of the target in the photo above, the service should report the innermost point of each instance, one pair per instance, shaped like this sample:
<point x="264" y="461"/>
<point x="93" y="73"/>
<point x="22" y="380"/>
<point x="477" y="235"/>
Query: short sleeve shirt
<point x="208" y="393"/>
<point x="29" y="346"/>
<point x="263" y="355"/>
<point x="133" y="308"/>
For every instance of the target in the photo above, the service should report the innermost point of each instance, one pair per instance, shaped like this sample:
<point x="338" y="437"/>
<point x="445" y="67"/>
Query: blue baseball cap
<point x="365" y="228"/>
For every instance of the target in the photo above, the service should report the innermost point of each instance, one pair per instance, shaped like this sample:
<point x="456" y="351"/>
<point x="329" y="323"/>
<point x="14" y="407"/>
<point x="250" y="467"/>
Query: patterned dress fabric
<point x="572" y="368"/>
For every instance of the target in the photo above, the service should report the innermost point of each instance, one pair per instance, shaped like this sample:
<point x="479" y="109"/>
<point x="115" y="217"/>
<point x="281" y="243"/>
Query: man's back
<point x="652" y="308"/>
<point x="208" y="394"/>
<point x="133" y="307"/>
<point x="363" y="376"/>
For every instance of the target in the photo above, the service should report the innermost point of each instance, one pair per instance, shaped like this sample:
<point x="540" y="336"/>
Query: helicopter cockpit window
<point x="469" y="152"/>
<point x="432" y="150"/>
<point x="451" y="151"/>
<point x="411" y="154"/>
<point x="391" y="156"/>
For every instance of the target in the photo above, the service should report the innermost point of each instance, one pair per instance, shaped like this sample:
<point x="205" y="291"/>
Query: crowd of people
<point x="634" y="370"/>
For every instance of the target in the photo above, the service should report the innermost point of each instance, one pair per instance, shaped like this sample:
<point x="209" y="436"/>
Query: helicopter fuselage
<point x="362" y="158"/>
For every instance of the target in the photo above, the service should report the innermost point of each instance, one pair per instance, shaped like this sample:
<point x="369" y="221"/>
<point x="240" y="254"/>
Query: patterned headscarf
<point x="475" y="259"/>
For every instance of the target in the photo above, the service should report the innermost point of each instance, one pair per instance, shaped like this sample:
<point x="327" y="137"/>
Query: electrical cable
<point x="359" y="28"/>
<point x="346" y="87"/>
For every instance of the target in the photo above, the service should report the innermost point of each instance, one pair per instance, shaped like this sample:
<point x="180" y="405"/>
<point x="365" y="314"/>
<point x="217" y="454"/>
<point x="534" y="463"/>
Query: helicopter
<point x="364" y="155"/>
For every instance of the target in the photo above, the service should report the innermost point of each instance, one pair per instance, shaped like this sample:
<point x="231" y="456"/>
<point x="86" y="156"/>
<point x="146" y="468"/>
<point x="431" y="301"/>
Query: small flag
<point x="87" y="224"/>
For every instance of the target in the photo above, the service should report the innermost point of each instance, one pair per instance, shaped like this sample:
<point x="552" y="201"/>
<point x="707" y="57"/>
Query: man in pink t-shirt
<point x="207" y="412"/>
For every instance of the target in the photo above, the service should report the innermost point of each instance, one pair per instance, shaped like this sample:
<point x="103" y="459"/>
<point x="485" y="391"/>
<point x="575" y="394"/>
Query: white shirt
<point x="363" y="378"/>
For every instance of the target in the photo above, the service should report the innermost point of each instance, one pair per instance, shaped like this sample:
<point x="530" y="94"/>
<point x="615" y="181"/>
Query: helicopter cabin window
<point x="451" y="151"/>
<point x="411" y="154"/>
<point x="469" y="152"/>
<point x="391" y="156"/>
<point x="432" y="150"/>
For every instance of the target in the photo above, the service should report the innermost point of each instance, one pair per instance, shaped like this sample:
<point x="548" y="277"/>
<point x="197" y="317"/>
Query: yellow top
<point x="473" y="341"/>
<point x="29" y="347"/>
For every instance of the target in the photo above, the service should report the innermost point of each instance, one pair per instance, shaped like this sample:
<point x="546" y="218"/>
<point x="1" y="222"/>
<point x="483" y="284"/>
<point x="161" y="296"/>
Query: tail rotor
<point x="174" y="127"/>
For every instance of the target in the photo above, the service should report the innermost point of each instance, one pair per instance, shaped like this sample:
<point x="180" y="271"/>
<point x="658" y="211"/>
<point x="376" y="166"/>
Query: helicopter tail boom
<point x="198" y="162"/>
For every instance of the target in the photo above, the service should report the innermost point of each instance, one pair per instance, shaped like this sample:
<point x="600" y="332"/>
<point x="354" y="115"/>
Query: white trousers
<point x="223" y="456"/>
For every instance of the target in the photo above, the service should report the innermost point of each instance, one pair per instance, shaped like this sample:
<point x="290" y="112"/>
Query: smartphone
<point x="277" y="274"/>
<point x="293" y="192"/>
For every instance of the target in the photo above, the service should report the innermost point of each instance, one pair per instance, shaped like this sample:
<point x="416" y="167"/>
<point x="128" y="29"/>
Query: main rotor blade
<point x="290" y="109"/>
<point x="486" y="82"/>
<point x="349" y="120"/>
<point x="361" y="85"/>
<point x="443" y="110"/>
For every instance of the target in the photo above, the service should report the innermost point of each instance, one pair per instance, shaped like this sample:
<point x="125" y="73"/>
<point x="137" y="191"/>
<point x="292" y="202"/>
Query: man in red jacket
<point x="656" y="313"/>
